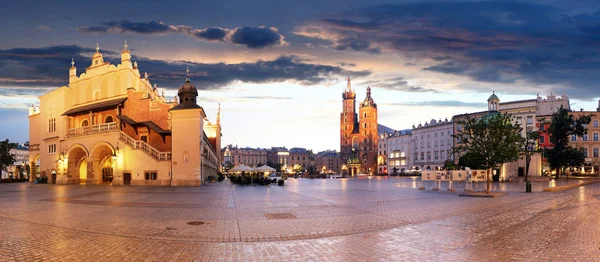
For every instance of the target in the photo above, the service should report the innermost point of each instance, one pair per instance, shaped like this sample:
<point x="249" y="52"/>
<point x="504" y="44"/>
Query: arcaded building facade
<point x="110" y="125"/>
<point x="358" y="133"/>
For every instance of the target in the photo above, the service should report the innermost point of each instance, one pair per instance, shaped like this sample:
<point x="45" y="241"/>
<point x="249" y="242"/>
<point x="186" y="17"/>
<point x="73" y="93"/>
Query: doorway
<point x="126" y="178"/>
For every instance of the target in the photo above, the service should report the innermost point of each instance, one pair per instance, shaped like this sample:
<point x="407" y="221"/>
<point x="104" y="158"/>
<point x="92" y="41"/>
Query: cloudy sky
<point x="278" y="67"/>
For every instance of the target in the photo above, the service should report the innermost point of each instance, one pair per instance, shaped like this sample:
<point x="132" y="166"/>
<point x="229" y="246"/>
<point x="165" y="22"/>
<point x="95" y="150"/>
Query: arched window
<point x="364" y="115"/>
<point x="365" y="125"/>
<point x="84" y="123"/>
<point x="109" y="119"/>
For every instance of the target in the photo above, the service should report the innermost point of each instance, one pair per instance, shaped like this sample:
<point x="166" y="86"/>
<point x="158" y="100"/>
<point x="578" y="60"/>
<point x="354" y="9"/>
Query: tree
<point x="449" y="165"/>
<point x="530" y="147"/>
<point x="297" y="168"/>
<point x="562" y="126"/>
<point x="6" y="158"/>
<point x="471" y="160"/>
<point x="493" y="138"/>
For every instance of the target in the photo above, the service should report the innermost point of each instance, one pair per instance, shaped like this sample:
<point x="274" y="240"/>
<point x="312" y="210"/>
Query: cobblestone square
<point x="378" y="219"/>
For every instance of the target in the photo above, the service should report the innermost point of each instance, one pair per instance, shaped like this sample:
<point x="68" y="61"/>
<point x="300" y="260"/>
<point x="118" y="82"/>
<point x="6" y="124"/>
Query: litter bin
<point x="528" y="187"/>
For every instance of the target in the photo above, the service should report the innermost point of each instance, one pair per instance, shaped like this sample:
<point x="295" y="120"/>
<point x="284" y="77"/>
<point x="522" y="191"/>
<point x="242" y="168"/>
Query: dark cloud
<point x="249" y="36"/>
<point x="34" y="71"/>
<point x="212" y="34"/>
<point x="356" y="44"/>
<point x="256" y="37"/>
<point x="124" y="26"/>
<point x="344" y="64"/>
<point x="41" y="67"/>
<point x="487" y="41"/>
<point x="398" y="84"/>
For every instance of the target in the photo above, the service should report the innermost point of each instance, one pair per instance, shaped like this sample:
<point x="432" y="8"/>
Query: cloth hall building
<point x="110" y="125"/>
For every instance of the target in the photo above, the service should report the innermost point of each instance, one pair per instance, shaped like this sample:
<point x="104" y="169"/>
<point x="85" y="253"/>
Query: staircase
<point x="141" y="145"/>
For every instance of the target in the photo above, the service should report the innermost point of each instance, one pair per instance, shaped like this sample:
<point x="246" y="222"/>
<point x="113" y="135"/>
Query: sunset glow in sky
<point x="278" y="68"/>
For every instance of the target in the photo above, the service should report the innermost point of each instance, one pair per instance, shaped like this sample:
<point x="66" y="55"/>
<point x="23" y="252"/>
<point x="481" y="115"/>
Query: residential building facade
<point x="399" y="153"/>
<point x="328" y="161"/>
<point x="247" y="156"/>
<point x="432" y="144"/>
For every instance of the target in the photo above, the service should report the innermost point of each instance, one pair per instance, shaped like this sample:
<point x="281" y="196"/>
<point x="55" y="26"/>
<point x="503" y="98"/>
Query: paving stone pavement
<point x="377" y="219"/>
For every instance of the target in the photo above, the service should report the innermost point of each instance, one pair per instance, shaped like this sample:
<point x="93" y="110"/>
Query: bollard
<point x="528" y="187"/>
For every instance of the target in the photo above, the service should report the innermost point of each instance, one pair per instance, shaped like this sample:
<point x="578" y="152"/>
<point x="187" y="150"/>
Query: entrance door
<point x="107" y="175"/>
<point x="521" y="171"/>
<point x="52" y="177"/>
<point x="126" y="178"/>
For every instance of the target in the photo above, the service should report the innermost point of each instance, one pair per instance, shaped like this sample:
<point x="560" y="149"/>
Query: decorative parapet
<point x="34" y="110"/>
<point x="34" y="147"/>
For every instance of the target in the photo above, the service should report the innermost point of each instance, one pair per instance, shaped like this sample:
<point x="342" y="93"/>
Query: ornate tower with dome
<point x="358" y="133"/>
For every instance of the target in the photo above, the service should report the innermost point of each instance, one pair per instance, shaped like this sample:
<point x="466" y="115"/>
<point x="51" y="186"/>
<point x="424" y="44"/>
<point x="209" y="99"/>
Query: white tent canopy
<point x="264" y="168"/>
<point x="242" y="168"/>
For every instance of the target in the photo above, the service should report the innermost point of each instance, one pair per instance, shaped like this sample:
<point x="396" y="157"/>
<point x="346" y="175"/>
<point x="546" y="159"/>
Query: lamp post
<point x="344" y="170"/>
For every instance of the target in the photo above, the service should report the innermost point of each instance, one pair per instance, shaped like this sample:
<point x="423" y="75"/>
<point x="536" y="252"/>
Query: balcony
<point x="95" y="129"/>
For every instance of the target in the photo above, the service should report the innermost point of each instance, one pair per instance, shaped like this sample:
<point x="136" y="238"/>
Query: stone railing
<point x="149" y="150"/>
<point x="95" y="129"/>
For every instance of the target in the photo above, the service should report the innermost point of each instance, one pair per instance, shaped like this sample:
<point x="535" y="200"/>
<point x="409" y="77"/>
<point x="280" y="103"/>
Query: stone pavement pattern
<point x="331" y="220"/>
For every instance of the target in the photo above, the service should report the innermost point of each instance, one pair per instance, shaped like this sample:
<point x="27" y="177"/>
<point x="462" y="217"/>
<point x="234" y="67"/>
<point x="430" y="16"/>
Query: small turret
<point x="187" y="94"/>
<point x="72" y="71"/>
<point x="493" y="102"/>
<point x="126" y="56"/>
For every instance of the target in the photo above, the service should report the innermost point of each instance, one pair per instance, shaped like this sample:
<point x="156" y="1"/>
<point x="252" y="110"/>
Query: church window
<point x="84" y="123"/>
<point x="364" y="115"/>
<point x="365" y="125"/>
<point x="109" y="119"/>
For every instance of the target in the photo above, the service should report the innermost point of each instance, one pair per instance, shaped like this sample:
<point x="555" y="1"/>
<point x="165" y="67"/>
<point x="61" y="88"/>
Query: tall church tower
<point x="368" y="130"/>
<point x="348" y="122"/>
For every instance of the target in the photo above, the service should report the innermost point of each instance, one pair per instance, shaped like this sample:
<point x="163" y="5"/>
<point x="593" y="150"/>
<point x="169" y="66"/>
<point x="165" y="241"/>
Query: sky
<point x="278" y="67"/>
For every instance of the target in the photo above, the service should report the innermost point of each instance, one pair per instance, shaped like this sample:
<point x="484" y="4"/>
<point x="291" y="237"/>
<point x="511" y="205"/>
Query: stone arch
<point x="100" y="161"/>
<point x="355" y="143"/>
<point x="96" y="95"/>
<point x="77" y="156"/>
<point x="109" y="119"/>
<point x="34" y="167"/>
<point x="84" y="122"/>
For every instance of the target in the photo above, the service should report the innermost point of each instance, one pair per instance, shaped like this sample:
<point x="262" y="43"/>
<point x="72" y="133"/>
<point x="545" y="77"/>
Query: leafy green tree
<point x="6" y="158"/>
<point x="493" y="138"/>
<point x="562" y="126"/>
<point x="530" y="147"/>
<point x="449" y="165"/>
<point x="471" y="160"/>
